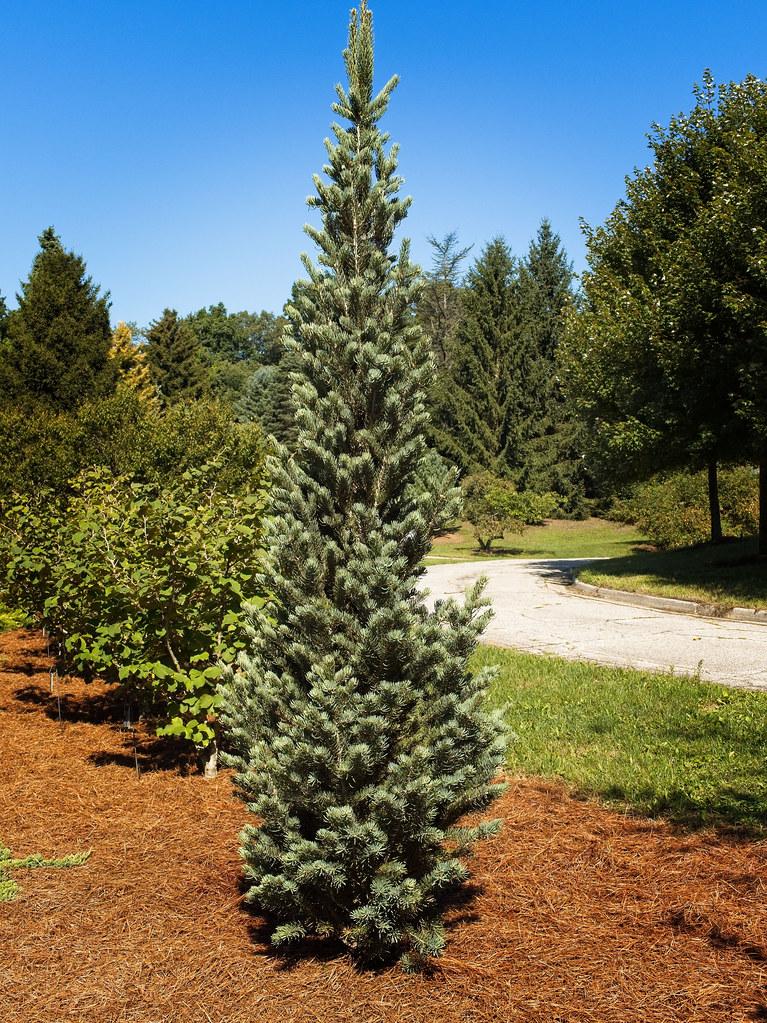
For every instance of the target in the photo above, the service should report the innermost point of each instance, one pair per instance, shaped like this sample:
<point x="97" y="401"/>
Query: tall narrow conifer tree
<point x="473" y="397"/>
<point x="176" y="364"/>
<point x="360" y="736"/>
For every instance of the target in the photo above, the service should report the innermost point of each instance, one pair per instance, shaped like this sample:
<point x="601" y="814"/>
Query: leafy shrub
<point x="495" y="507"/>
<point x="141" y="583"/>
<point x="672" y="511"/>
<point x="41" y="449"/>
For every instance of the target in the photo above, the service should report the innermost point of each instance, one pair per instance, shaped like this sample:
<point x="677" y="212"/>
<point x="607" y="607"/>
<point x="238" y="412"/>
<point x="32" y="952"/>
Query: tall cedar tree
<point x="550" y="459"/>
<point x="361" y="736"/>
<point x="176" y="363"/>
<point x="57" y="341"/>
<point x="474" y="407"/>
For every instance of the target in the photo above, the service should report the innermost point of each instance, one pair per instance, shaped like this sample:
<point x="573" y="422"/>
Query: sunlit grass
<point x="657" y="744"/>
<point x="558" y="538"/>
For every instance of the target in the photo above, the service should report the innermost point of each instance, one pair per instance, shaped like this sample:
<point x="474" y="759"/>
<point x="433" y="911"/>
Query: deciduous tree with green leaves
<point x="359" y="734"/>
<point x="668" y="359"/>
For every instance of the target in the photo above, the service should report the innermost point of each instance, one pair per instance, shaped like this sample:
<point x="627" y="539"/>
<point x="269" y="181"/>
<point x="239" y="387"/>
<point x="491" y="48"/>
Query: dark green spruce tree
<point x="56" y="349"/>
<point x="267" y="400"/>
<point x="550" y="454"/>
<point x="472" y="403"/>
<point x="360" y="735"/>
<point x="176" y="363"/>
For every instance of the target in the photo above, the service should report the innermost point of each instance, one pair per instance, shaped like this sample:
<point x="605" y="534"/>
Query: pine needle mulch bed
<point x="581" y="914"/>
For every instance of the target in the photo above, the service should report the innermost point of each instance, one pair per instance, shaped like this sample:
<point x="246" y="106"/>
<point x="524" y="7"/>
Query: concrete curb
<point x="682" y="607"/>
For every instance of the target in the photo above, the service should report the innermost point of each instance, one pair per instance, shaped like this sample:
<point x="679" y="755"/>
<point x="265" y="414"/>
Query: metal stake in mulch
<point x="128" y="724"/>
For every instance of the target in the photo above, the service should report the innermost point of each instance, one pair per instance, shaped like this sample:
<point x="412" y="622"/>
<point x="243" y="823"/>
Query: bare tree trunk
<point x="713" y="503"/>
<point x="763" y="507"/>
<point x="210" y="769"/>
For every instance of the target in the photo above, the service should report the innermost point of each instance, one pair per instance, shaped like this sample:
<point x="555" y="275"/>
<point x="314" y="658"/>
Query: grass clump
<point x="9" y="888"/>
<point x="658" y="744"/>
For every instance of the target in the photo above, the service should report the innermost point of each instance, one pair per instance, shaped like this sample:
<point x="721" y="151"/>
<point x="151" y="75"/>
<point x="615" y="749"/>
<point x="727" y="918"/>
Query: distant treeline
<point x="495" y="330"/>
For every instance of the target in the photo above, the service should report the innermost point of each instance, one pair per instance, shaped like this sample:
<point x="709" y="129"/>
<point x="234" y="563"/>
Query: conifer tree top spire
<point x="358" y="104"/>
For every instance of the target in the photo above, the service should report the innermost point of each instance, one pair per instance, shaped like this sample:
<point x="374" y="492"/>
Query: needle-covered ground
<point x="580" y="913"/>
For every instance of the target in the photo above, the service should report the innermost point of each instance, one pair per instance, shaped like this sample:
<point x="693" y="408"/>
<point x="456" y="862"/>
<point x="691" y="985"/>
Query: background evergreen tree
<point x="268" y="400"/>
<point x="551" y="457"/>
<point x="176" y="362"/>
<point x="439" y="305"/>
<point x="360" y="735"/>
<point x="57" y="344"/>
<point x="473" y="407"/>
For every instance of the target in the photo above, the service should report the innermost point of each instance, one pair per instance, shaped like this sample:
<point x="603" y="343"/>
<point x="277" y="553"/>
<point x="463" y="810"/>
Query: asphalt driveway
<point x="535" y="610"/>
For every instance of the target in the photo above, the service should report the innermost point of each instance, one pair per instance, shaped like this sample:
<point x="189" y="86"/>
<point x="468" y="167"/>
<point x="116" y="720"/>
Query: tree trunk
<point x="763" y="507"/>
<point x="211" y="763"/>
<point x="713" y="503"/>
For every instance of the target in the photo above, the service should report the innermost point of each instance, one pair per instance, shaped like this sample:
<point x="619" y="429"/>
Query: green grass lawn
<point x="661" y="745"/>
<point x="10" y="619"/>
<point x="726" y="575"/>
<point x="559" y="538"/>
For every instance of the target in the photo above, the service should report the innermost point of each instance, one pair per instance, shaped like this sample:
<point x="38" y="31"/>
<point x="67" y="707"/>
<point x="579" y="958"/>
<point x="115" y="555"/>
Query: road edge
<point x="674" y="604"/>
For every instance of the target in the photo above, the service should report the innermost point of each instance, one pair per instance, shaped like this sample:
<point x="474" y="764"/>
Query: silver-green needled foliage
<point x="359" y="735"/>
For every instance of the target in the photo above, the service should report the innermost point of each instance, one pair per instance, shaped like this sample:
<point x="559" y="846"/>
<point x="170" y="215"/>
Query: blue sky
<point x="172" y="144"/>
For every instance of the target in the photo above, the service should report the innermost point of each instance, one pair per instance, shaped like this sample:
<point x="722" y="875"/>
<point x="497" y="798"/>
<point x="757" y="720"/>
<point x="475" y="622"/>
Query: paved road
<point x="535" y="610"/>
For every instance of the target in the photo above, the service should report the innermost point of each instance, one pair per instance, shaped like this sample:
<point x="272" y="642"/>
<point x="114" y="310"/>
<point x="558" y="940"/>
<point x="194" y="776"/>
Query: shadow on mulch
<point x="699" y="924"/>
<point x="104" y="706"/>
<point x="151" y="754"/>
<point x="95" y="708"/>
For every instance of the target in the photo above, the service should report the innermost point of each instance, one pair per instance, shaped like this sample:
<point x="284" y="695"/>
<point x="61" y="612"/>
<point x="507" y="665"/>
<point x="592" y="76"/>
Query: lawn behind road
<point x="558" y="538"/>
<point x="723" y="575"/>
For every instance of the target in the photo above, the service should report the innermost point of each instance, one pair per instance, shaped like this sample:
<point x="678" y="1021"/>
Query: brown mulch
<point x="581" y="914"/>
